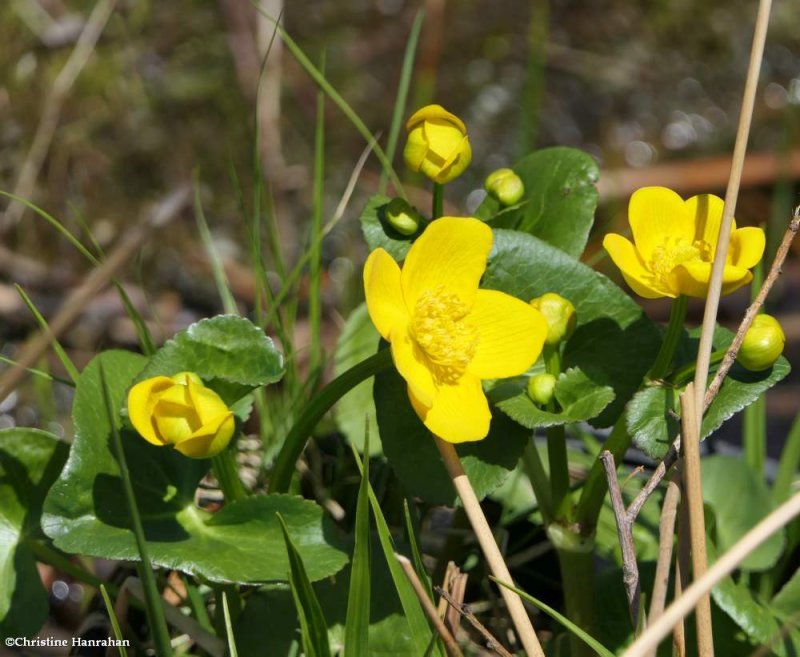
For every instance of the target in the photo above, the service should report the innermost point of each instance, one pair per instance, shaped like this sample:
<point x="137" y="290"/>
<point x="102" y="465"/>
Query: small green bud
<point x="762" y="344"/>
<point x="505" y="185"/>
<point x="559" y="314"/>
<point x="541" y="388"/>
<point x="402" y="217"/>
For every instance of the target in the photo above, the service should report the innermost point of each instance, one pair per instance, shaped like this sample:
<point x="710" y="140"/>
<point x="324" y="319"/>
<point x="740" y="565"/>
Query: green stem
<point x="559" y="470"/>
<point x="438" y="201"/>
<point x="315" y="291"/>
<point x="319" y="405"/>
<point x="48" y="555"/>
<point x="539" y="480"/>
<point x="594" y="490"/>
<point x="158" y="623"/>
<point x="686" y="373"/>
<point x="677" y="318"/>
<point x="227" y="473"/>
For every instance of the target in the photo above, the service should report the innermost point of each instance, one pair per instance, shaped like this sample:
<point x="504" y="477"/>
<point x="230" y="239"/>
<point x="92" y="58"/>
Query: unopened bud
<point x="541" y="388"/>
<point x="505" y="185"/>
<point x="402" y="217"/>
<point x="762" y="345"/>
<point x="559" y="314"/>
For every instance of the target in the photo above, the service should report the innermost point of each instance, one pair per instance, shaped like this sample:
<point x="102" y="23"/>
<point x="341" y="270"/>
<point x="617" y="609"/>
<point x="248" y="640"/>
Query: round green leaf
<point x="559" y="202"/>
<point x="412" y="452"/>
<point x="230" y="352"/>
<point x="614" y="343"/>
<point x="86" y="511"/>
<point x="30" y="461"/>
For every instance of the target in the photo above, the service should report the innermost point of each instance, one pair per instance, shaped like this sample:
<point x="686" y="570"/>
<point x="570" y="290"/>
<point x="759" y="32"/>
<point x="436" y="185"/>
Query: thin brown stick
<point x="430" y="611"/>
<point x="51" y="111"/>
<point x="472" y="507"/>
<point x="727" y="362"/>
<point x="682" y="567"/>
<point x="630" y="567"/>
<point x="75" y="304"/>
<point x="666" y="539"/>
<point x="692" y="483"/>
<point x="464" y="610"/>
<point x="725" y="565"/>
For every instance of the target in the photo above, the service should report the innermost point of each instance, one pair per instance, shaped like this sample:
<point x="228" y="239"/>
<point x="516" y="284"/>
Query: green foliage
<point x="355" y="412"/>
<point x="578" y="397"/>
<point x="85" y="511"/>
<point x="30" y="461"/>
<point x="229" y="352"/>
<point x="559" y="202"/>
<point x="378" y="233"/>
<point x="412" y="453"/>
<point x="653" y="416"/>
<point x="614" y="343"/>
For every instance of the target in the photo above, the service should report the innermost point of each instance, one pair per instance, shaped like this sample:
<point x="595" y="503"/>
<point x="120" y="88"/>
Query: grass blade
<point x="356" y="631"/>
<point x="590" y="641"/>
<point x="787" y="467"/>
<point x="313" y="628"/>
<point x="232" y="652"/>
<point x="416" y="553"/>
<point x="315" y="273"/>
<point x="123" y="652"/>
<point x="36" y="372"/>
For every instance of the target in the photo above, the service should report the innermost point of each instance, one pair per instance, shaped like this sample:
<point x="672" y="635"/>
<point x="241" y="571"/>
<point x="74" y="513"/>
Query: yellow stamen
<point x="675" y="252"/>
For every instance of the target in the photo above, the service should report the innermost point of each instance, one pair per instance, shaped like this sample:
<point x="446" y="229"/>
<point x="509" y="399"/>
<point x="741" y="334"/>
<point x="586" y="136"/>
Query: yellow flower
<point x="180" y="411"/>
<point x="674" y="243"/>
<point x="437" y="144"/>
<point x="445" y="333"/>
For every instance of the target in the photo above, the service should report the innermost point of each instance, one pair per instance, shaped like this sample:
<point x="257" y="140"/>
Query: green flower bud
<point x="559" y="314"/>
<point x="541" y="388"/>
<point x="505" y="185"/>
<point x="402" y="217"/>
<point x="762" y="344"/>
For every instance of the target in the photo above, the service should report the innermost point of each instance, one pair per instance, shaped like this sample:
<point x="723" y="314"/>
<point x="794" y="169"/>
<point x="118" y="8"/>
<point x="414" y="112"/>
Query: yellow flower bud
<point x="559" y="314"/>
<point x="402" y="217"/>
<point x="505" y="185"/>
<point x="762" y="344"/>
<point x="180" y="411"/>
<point x="541" y="388"/>
<point x="437" y="144"/>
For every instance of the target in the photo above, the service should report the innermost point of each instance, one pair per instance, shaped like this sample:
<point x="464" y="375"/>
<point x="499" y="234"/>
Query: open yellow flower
<point x="674" y="243"/>
<point x="180" y="411"/>
<point x="445" y="333"/>
<point x="437" y="144"/>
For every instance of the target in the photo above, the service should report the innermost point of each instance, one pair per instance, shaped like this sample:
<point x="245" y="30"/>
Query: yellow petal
<point x="657" y="214"/>
<point x="433" y="112"/>
<point x="706" y="213"/>
<point x="747" y="247"/>
<point x="460" y="412"/>
<point x="416" y="149"/>
<point x="383" y="292"/>
<point x="691" y="278"/>
<point x="444" y="139"/>
<point x="451" y="254"/>
<point x="412" y="365"/>
<point x="175" y="416"/>
<point x="141" y="400"/>
<point x="624" y="255"/>
<point x="511" y="335"/>
<point x="210" y="439"/>
<point x="207" y="403"/>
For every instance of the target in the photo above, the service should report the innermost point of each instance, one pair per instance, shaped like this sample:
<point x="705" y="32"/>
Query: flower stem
<point x="227" y="473"/>
<point x="557" y="445"/>
<point x="686" y="373"/>
<point x="677" y="317"/>
<point x="319" y="405"/>
<point x="472" y="507"/>
<point x="438" y="201"/>
<point x="539" y="480"/>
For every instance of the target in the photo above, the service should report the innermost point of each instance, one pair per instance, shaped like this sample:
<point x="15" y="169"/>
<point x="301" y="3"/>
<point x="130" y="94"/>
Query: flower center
<point x="674" y="252"/>
<point x="438" y="327"/>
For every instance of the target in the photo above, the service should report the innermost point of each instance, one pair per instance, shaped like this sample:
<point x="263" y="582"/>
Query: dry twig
<point x="464" y="610"/>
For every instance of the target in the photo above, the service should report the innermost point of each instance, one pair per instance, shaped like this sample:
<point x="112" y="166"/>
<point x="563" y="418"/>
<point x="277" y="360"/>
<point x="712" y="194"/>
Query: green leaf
<point x="85" y="511"/>
<point x="30" y="461"/>
<point x="653" y="416"/>
<point x="356" y="633"/>
<point x="229" y="352"/>
<point x="787" y="600"/>
<point x="313" y="627"/>
<point x="614" y="343"/>
<point x="379" y="234"/>
<point x="412" y="453"/>
<point x="358" y="341"/>
<point x="579" y="398"/>
<point x="740" y="499"/>
<point x="559" y="202"/>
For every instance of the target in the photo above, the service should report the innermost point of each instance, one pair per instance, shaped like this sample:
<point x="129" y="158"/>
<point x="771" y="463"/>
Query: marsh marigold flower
<point x="674" y="242"/>
<point x="762" y="345"/>
<point x="180" y="411"/>
<point x="437" y="144"/>
<point x="445" y="333"/>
